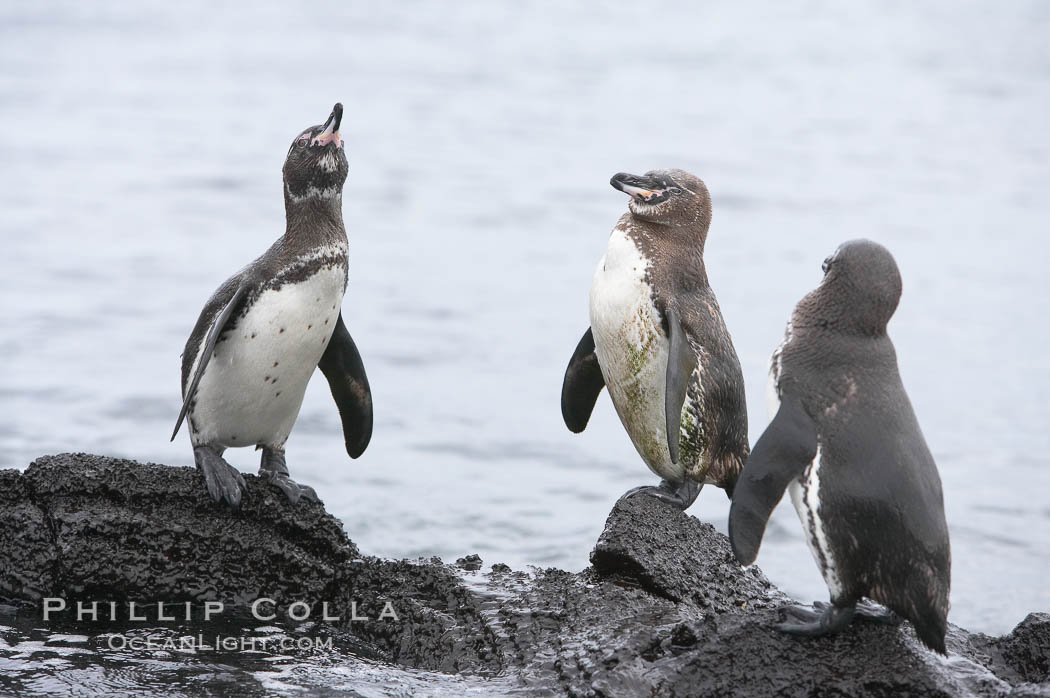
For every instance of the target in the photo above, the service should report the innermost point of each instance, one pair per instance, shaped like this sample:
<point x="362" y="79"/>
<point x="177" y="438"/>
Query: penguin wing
<point x="218" y="325"/>
<point x="582" y="384"/>
<point x="341" y="364"/>
<point x="680" y="366"/>
<point x="782" y="453"/>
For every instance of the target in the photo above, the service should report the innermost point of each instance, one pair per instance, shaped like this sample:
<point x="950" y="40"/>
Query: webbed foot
<point x="868" y="611"/>
<point x="827" y="619"/>
<point x="225" y="483"/>
<point x="275" y="471"/>
<point x="678" y="494"/>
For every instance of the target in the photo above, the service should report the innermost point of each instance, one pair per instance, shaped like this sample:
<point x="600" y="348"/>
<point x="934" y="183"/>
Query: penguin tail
<point x="729" y="484"/>
<point x="924" y="602"/>
<point x="732" y="464"/>
<point x="931" y="628"/>
<point x="931" y="600"/>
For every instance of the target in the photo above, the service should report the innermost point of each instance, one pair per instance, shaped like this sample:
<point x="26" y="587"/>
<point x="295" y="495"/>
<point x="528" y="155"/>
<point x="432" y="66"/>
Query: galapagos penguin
<point x="846" y="443"/>
<point x="657" y="340"/>
<point x="259" y="337"/>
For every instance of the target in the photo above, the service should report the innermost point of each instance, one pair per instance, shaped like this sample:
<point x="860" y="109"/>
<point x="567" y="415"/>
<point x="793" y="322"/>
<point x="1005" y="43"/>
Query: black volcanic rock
<point x="667" y="610"/>
<point x="663" y="610"/>
<point x="26" y="543"/>
<point x="440" y="625"/>
<point x="1027" y="648"/>
<point x="122" y="530"/>
<point x="640" y="542"/>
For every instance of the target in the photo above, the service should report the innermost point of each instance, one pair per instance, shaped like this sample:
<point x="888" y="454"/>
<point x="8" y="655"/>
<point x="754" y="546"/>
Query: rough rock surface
<point x="26" y="543"/>
<point x="123" y="530"/>
<point x="663" y="610"/>
<point x="1027" y="648"/>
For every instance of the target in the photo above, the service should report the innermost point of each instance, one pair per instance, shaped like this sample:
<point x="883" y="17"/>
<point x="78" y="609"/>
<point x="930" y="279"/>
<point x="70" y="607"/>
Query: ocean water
<point x="141" y="149"/>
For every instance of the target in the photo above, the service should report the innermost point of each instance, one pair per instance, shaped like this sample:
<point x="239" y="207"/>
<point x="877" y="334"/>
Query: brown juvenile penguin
<point x="658" y="341"/>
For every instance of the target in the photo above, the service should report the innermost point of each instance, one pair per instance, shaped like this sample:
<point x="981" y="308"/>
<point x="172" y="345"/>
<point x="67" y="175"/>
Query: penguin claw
<point x="803" y="621"/>
<point x="680" y="495"/>
<point x="865" y="610"/>
<point x="801" y="614"/>
<point x="293" y="490"/>
<point x="875" y="613"/>
<point x="224" y="488"/>
<point x="639" y="490"/>
<point x="224" y="482"/>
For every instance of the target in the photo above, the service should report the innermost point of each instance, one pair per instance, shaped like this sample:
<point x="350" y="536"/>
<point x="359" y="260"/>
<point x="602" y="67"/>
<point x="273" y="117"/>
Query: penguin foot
<point x="678" y="494"/>
<point x="868" y="611"/>
<point x="806" y="622"/>
<point x="225" y="483"/>
<point x="292" y="489"/>
<point x="274" y="470"/>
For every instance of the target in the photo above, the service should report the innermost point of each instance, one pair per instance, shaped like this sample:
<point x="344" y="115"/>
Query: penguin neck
<point x="314" y="220"/>
<point x="838" y="312"/>
<point x="679" y="248"/>
<point x="667" y="235"/>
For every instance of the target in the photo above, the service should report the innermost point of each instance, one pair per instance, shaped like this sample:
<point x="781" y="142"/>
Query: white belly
<point x="805" y="493"/>
<point x="253" y="386"/>
<point x="632" y="350"/>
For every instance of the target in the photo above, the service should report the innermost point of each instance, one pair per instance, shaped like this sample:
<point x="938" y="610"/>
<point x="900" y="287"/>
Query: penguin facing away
<point x="846" y="443"/>
<point x="657" y="340"/>
<point x="259" y="337"/>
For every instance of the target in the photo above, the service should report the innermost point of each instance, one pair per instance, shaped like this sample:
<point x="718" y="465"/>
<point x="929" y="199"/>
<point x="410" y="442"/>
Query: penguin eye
<point x="301" y="142"/>
<point x="826" y="265"/>
<point x="675" y="190"/>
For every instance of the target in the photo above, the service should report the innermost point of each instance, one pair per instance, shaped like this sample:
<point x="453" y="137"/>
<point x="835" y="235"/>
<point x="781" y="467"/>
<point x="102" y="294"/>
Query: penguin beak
<point x="330" y="132"/>
<point x="644" y="189"/>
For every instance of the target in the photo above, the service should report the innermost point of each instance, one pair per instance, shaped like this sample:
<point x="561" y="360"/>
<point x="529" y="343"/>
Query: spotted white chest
<point x="805" y="489"/>
<point x="632" y="350"/>
<point x="253" y="386"/>
<point x="805" y="495"/>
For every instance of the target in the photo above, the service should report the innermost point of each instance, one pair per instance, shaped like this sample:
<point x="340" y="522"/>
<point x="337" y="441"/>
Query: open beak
<point x="643" y="189"/>
<point x="330" y="132"/>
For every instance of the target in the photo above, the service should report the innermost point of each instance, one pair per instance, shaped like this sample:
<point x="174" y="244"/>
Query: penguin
<point x="657" y="340"/>
<point x="846" y="443"/>
<point x="259" y="337"/>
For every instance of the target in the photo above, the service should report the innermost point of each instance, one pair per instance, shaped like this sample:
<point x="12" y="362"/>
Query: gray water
<point x="176" y="659"/>
<point x="141" y="149"/>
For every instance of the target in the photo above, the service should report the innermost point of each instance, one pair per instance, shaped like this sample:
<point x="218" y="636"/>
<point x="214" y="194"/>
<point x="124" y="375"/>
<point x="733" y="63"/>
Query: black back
<point x="880" y="493"/>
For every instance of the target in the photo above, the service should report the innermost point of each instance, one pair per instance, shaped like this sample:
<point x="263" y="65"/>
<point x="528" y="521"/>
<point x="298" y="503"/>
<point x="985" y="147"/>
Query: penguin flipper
<point x="582" y="383"/>
<point x="341" y="364"/>
<point x="782" y="453"/>
<point x="217" y="327"/>
<point x="680" y="366"/>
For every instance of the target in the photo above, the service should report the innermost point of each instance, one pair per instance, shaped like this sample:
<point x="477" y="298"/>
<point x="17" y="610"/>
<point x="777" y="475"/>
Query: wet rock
<point x="1027" y="649"/>
<point x="666" y="610"/>
<point x="26" y="548"/>
<point x="121" y="530"/>
<point x="663" y="610"/>
<point x="470" y="563"/>
<point x="643" y="542"/>
<point x="438" y="624"/>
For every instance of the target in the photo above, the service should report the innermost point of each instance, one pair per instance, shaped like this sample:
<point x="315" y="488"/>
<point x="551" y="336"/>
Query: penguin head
<point x="667" y="197"/>
<point x="860" y="290"/>
<point x="316" y="165"/>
